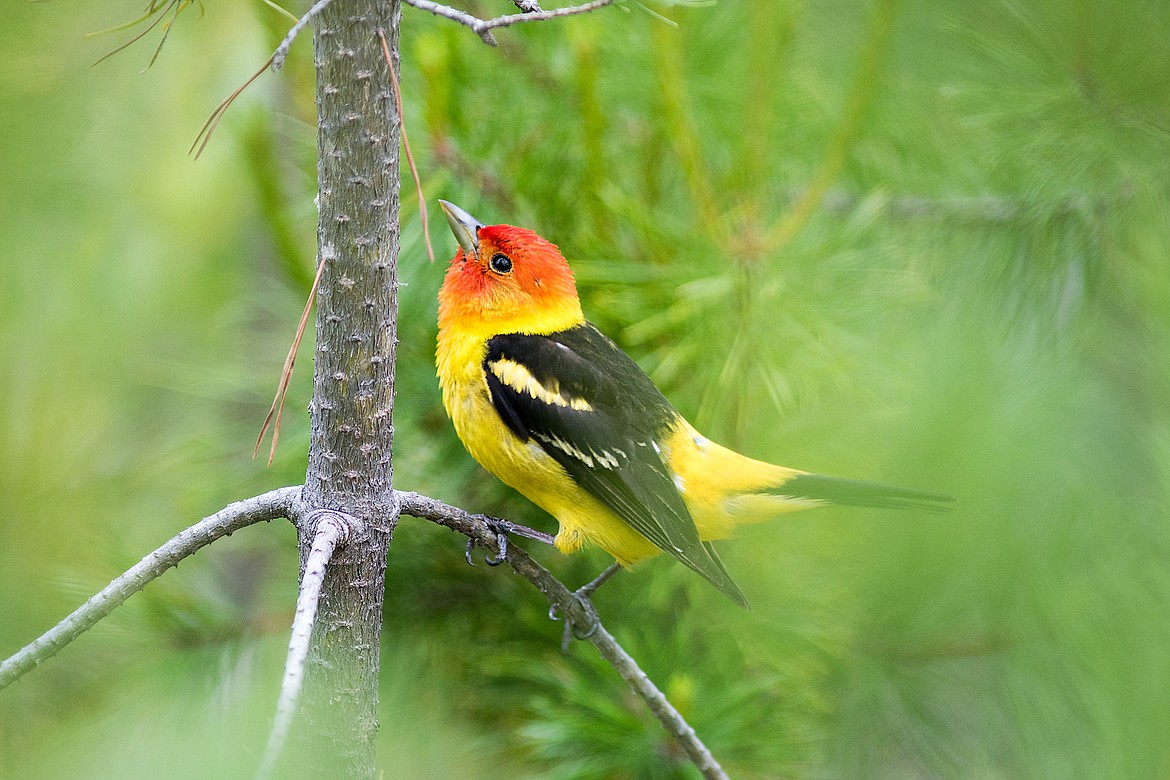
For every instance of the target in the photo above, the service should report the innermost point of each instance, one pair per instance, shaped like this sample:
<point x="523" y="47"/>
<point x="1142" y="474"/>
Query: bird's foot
<point x="583" y="595"/>
<point x="502" y="529"/>
<point x="588" y="589"/>
<point x="573" y="629"/>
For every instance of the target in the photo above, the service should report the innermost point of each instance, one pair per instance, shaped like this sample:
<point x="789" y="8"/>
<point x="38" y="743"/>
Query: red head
<point x="505" y="279"/>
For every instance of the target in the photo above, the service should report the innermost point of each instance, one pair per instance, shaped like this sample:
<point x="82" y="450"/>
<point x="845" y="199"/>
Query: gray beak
<point x="464" y="226"/>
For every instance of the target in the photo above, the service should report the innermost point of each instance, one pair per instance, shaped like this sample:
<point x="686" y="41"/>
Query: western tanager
<point x="543" y="400"/>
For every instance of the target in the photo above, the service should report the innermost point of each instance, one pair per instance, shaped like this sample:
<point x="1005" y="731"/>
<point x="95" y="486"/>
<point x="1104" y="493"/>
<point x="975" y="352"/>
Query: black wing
<point x="590" y="407"/>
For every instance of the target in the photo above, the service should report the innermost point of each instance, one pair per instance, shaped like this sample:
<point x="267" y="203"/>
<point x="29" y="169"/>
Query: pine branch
<point x="483" y="27"/>
<point x="281" y="53"/>
<point x="578" y="611"/>
<point x="455" y="15"/>
<point x="282" y="502"/>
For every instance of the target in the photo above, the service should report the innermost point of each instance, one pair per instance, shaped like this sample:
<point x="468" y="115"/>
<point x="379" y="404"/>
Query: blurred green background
<point x="924" y="243"/>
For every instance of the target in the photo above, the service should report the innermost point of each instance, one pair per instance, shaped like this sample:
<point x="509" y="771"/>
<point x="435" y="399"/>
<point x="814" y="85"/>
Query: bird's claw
<point x="501" y="541"/>
<point x="515" y="529"/>
<point x="572" y="629"/>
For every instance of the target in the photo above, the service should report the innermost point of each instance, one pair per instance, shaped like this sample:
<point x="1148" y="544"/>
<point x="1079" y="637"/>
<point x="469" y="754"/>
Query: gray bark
<point x="349" y="466"/>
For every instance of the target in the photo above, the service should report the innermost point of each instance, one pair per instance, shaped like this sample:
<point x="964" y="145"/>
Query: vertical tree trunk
<point x="349" y="466"/>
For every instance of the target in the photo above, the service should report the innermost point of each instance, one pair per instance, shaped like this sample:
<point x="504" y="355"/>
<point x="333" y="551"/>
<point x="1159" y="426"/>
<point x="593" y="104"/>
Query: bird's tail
<point x="795" y="491"/>
<point x="850" y="492"/>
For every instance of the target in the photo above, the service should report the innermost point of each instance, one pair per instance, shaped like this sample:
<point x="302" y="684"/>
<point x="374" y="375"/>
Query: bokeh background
<point x="920" y="242"/>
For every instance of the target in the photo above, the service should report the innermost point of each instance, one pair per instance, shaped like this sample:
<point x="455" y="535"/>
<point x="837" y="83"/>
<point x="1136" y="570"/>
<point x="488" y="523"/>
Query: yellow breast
<point x="522" y="465"/>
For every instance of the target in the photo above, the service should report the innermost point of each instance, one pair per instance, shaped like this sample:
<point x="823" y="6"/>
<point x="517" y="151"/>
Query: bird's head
<point x="506" y="279"/>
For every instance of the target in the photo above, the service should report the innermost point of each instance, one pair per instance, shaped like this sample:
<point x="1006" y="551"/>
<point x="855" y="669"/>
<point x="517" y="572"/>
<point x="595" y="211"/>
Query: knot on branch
<point x="338" y="526"/>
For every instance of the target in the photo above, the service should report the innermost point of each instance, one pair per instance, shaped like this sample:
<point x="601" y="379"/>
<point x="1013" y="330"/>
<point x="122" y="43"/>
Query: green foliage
<point x="920" y="243"/>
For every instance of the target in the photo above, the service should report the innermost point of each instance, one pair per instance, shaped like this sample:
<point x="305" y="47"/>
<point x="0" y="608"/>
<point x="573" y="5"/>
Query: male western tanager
<point x="543" y="400"/>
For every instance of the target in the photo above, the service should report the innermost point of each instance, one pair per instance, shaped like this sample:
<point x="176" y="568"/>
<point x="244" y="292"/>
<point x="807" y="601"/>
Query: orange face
<point x="514" y="276"/>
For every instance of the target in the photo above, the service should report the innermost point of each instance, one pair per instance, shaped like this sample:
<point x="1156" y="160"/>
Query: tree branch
<point x="578" y="611"/>
<point x="281" y="53"/>
<point x="455" y="15"/>
<point x="667" y="715"/>
<point x="334" y="529"/>
<point x="283" y="502"/>
<point x="483" y="27"/>
<point x="543" y="16"/>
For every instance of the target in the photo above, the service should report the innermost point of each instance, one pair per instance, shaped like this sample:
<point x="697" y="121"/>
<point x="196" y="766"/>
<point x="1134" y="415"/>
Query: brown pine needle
<point x="276" y="411"/>
<point x="422" y="202"/>
<point x="277" y="408"/>
<point x="212" y="122"/>
<point x="140" y="35"/>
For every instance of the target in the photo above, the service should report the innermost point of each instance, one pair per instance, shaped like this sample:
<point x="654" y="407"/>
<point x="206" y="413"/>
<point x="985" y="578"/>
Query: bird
<point x="547" y="403"/>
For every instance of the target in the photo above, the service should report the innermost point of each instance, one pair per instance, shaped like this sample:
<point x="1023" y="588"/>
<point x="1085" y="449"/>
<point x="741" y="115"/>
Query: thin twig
<point x="271" y="505"/>
<point x="422" y="203"/>
<point x="290" y="360"/>
<point x="281" y="53"/>
<point x="624" y="664"/>
<point x="334" y="529"/>
<point x="483" y="27"/>
<point x="578" y="612"/>
<point x="457" y="16"/>
<point x="556" y="13"/>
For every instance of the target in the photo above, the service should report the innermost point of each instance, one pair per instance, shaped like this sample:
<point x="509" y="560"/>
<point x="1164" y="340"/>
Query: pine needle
<point x="155" y="7"/>
<point x="123" y="26"/>
<point x="140" y="35"/>
<point x="277" y="408"/>
<point x="212" y="122"/>
<point x="422" y="203"/>
<point x="167" y="27"/>
<point x="281" y="10"/>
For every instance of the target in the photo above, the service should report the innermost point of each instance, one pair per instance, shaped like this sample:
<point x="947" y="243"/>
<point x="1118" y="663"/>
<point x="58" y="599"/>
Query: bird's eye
<point x="501" y="264"/>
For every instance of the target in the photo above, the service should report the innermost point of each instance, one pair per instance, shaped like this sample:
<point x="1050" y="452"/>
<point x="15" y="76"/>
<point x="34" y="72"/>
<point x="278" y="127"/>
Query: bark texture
<point x="349" y="467"/>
